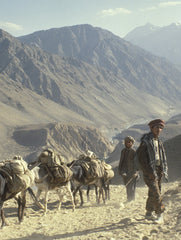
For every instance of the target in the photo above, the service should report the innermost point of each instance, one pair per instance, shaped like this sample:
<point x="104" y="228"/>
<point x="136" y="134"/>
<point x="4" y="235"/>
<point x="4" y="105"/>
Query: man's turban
<point x="156" y="122"/>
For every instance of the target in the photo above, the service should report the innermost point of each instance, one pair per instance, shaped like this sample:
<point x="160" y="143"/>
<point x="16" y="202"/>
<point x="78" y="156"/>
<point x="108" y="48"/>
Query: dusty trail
<point x="115" y="220"/>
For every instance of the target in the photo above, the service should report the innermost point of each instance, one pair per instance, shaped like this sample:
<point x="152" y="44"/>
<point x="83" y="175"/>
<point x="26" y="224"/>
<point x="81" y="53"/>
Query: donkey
<point x="106" y="180"/>
<point x="80" y="179"/>
<point x="43" y="183"/>
<point x="19" y="194"/>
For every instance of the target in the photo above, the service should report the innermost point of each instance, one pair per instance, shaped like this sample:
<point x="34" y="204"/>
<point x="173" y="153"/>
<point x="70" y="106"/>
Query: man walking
<point x="152" y="159"/>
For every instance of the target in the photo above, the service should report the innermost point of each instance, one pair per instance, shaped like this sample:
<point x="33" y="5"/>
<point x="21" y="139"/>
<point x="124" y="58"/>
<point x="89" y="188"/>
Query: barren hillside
<point x="102" y="82"/>
<point x="70" y="140"/>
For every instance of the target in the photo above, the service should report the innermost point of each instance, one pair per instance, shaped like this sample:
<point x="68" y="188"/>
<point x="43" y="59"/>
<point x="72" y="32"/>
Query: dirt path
<point x="114" y="220"/>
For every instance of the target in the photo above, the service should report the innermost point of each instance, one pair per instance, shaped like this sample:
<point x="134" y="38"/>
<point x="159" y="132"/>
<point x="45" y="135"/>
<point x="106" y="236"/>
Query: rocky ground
<point x="114" y="220"/>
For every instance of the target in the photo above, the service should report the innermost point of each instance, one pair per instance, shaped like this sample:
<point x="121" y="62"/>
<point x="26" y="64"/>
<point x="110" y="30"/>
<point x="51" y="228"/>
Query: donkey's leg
<point x="38" y="198"/>
<point x="88" y="190"/>
<point x="4" y="223"/>
<point x="2" y="199"/>
<point x="108" y="190"/>
<point x="21" y="199"/>
<point x="46" y="201"/>
<point x="23" y="204"/>
<point x="1" y="204"/>
<point x="101" y="191"/>
<point x="99" y="194"/>
<point x="96" y="191"/>
<point x="38" y="194"/>
<point x="78" y="188"/>
<point x="19" y="208"/>
<point x="68" y="186"/>
<point x="100" y="185"/>
<point x="81" y="196"/>
<point x="60" y="194"/>
<point x="105" y="190"/>
<point x="74" y="193"/>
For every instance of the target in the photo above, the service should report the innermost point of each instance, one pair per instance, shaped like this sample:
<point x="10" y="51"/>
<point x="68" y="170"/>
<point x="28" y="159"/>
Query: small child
<point x="127" y="167"/>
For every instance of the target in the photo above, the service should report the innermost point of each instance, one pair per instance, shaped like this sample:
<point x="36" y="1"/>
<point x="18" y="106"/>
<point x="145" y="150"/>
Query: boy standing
<point x="127" y="167"/>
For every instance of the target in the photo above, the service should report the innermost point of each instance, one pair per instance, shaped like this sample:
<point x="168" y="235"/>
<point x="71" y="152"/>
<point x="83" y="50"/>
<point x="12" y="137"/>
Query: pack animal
<point x="106" y="180"/>
<point x="81" y="178"/>
<point x="43" y="184"/>
<point x="14" y="186"/>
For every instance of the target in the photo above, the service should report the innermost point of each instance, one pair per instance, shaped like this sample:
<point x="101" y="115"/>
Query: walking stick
<point x="130" y="180"/>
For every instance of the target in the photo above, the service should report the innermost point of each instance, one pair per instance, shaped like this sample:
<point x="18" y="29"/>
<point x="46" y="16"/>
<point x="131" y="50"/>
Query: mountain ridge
<point x="110" y="52"/>
<point x="129" y="86"/>
<point x="67" y="82"/>
<point x="163" y="41"/>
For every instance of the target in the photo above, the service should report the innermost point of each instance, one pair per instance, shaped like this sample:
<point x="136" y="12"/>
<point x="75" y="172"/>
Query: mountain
<point x="160" y="41"/>
<point x="51" y="84"/>
<point x="140" y="32"/>
<point x="97" y="94"/>
<point x="101" y="48"/>
<point x="70" y="140"/>
<point x="106" y="83"/>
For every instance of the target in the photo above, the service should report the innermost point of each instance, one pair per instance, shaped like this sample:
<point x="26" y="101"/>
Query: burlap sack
<point x="50" y="159"/>
<point x="61" y="173"/>
<point x="96" y="169"/>
<point x="108" y="174"/>
<point x="15" y="166"/>
<point x="106" y="166"/>
<point x="20" y="182"/>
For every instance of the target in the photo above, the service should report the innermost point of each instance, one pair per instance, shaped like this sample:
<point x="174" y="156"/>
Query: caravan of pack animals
<point x="50" y="173"/>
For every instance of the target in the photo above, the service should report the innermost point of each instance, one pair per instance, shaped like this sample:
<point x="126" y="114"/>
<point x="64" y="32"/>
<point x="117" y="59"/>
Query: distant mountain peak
<point x="144" y="30"/>
<point x="161" y="41"/>
<point x="174" y="25"/>
<point x="150" y="25"/>
<point x="178" y="24"/>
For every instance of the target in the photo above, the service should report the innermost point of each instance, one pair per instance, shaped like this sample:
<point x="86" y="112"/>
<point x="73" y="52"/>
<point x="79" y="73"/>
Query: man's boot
<point x="159" y="219"/>
<point x="150" y="216"/>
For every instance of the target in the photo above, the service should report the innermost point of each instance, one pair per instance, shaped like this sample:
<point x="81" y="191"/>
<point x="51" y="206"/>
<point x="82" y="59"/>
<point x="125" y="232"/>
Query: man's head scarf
<point x="156" y="122"/>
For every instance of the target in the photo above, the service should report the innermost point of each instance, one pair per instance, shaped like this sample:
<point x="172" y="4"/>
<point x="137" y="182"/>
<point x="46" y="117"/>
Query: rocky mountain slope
<point x="160" y="41"/>
<point x="69" y="140"/>
<point x="97" y="95"/>
<point x="101" y="48"/>
<point x="100" y="80"/>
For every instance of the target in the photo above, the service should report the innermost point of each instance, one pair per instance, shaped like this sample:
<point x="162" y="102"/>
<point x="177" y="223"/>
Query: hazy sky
<point x="21" y="17"/>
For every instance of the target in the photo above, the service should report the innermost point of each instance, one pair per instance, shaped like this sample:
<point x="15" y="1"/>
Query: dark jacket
<point x="146" y="156"/>
<point x="126" y="163"/>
